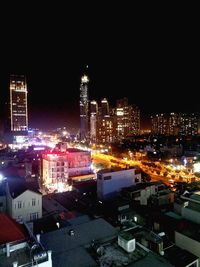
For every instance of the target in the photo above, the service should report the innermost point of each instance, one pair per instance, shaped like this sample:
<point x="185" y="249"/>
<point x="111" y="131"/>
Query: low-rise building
<point x="111" y="181"/>
<point x="155" y="193"/>
<point x="188" y="238"/>
<point x="188" y="206"/>
<point x="18" y="247"/>
<point x="58" y="167"/>
<point x="79" y="162"/>
<point x="70" y="244"/>
<point x="23" y="202"/>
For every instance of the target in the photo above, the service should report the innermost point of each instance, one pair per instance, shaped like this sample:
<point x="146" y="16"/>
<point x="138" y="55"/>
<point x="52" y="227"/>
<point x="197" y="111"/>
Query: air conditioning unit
<point x="127" y="245"/>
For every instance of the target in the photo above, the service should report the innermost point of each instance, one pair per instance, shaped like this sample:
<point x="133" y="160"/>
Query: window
<point x="19" y="204"/>
<point x="33" y="201"/>
<point x="33" y="216"/>
<point x="107" y="177"/>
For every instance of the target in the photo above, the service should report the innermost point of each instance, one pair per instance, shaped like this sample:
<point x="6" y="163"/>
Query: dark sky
<point x="148" y="54"/>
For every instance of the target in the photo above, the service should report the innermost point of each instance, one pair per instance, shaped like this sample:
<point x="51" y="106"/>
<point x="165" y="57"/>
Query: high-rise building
<point x="185" y="124"/>
<point x="104" y="107"/>
<point x="105" y="129"/>
<point x="160" y="124"/>
<point x="127" y="119"/>
<point x="104" y="124"/>
<point x="84" y="112"/>
<point x="93" y="120"/>
<point x="18" y="103"/>
<point x="174" y="122"/>
<point x="135" y="119"/>
<point x="189" y="124"/>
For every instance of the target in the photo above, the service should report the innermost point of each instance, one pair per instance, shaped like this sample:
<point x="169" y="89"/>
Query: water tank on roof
<point x="127" y="245"/>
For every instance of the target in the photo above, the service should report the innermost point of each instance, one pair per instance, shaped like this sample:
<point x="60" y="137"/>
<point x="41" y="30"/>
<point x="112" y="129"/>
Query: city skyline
<point x="152" y="64"/>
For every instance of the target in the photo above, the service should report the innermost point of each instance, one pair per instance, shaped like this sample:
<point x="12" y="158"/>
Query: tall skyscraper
<point x="93" y="120"/>
<point x="104" y="124"/>
<point x="127" y="119"/>
<point x="104" y="107"/>
<point x="18" y="103"/>
<point x="84" y="114"/>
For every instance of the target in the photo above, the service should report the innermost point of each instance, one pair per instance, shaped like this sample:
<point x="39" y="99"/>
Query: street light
<point x="1" y="177"/>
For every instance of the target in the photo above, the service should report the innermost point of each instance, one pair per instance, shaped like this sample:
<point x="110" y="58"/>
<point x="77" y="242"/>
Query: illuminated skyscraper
<point x="18" y="103"/>
<point x="104" y="124"/>
<point x="93" y="120"/>
<point x="104" y="107"/>
<point x="84" y="118"/>
<point x="127" y="119"/>
<point x="185" y="124"/>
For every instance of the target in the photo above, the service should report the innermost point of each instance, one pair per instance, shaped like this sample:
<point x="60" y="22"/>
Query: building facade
<point x="54" y="168"/>
<point x="18" y="103"/>
<point x="23" y="203"/>
<point x="127" y="119"/>
<point x="84" y="108"/>
<point x="58" y="167"/>
<point x="111" y="181"/>
<point x="109" y="125"/>
<point x="93" y="120"/>
<point x="184" y="124"/>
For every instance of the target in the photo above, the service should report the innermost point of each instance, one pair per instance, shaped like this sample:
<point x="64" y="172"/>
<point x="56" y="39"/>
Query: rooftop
<point x="196" y="196"/>
<point x="22" y="256"/>
<point x="25" y="254"/>
<point x="115" y="169"/>
<point x="11" y="230"/>
<point x="111" y="254"/>
<point x="179" y="257"/>
<point x="75" y="150"/>
<point x="18" y="185"/>
<point x="191" y="230"/>
<point x="74" y="239"/>
<point x="173" y="215"/>
<point x="141" y="186"/>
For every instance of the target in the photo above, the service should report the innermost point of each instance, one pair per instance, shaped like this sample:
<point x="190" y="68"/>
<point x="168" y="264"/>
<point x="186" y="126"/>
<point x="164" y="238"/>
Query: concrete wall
<point x="79" y="171"/>
<point x="146" y="193"/>
<point x="166" y="199"/>
<point x="191" y="215"/>
<point x="188" y="244"/>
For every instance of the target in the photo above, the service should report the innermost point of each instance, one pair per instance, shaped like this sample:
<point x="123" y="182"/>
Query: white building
<point x="111" y="181"/>
<point x="54" y="168"/>
<point x="191" y="209"/>
<point x="57" y="166"/>
<point x="189" y="240"/>
<point x="156" y="190"/>
<point x="22" y="202"/>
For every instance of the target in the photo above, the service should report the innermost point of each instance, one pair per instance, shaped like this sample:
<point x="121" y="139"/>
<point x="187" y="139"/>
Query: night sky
<point x="151" y="59"/>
